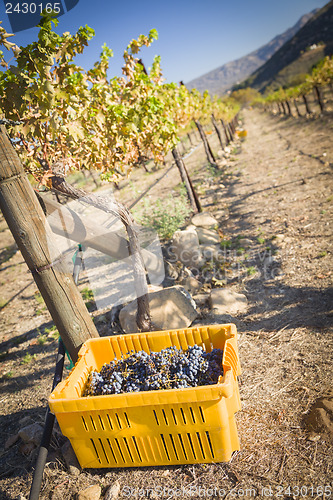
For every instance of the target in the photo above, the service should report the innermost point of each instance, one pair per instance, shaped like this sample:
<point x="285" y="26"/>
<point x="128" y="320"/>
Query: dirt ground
<point x="274" y="190"/>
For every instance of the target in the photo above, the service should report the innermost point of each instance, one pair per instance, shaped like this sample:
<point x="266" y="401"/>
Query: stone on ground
<point x="112" y="493"/>
<point x="207" y="235"/>
<point x="185" y="248"/>
<point x="320" y="418"/>
<point x="91" y="493"/>
<point x="170" y="308"/>
<point x="191" y="284"/>
<point x="226" y="301"/>
<point x="204" y="219"/>
<point x="210" y="252"/>
<point x="245" y="242"/>
<point x="200" y="299"/>
<point x="31" y="433"/>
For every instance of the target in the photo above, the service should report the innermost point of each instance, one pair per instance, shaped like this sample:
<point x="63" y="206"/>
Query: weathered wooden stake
<point x="217" y="131"/>
<point x="27" y="222"/>
<point x="228" y="140"/>
<point x="297" y="109"/>
<point x="230" y="132"/>
<point x="185" y="179"/>
<point x="209" y="152"/>
<point x="288" y="108"/>
<point x="307" y="107"/>
<point x="319" y="98"/>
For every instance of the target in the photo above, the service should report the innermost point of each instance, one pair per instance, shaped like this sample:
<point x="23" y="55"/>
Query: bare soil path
<point x="273" y="200"/>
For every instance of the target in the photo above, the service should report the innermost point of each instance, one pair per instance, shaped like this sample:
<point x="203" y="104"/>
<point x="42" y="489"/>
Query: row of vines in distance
<point x="320" y="77"/>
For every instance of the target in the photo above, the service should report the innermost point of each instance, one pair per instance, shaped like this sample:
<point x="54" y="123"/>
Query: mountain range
<point x="221" y="79"/>
<point x="298" y="55"/>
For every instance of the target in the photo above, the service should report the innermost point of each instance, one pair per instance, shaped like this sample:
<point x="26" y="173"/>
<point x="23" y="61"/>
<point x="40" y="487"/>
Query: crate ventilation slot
<point x="119" y="449"/>
<point x="182" y="445"/>
<point x="111" y="449"/>
<point x="165" y="447"/>
<point x="210" y="444"/>
<point x="109" y="420"/>
<point x="94" y="446"/>
<point x="105" y="455"/>
<point x="173" y="445"/>
<point x="137" y="448"/>
<point x="187" y="446"/>
<point x="84" y="424"/>
<point x="179" y="417"/>
<point x="93" y="423"/>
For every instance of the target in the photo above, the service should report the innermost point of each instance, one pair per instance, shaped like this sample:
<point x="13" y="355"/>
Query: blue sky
<point x="194" y="36"/>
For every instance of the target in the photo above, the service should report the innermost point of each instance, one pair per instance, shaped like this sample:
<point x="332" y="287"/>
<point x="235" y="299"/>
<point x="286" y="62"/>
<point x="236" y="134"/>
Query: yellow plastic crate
<point x="172" y="426"/>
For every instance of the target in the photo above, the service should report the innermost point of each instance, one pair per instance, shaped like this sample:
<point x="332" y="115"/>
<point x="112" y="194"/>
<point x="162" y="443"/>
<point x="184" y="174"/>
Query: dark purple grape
<point x="170" y="368"/>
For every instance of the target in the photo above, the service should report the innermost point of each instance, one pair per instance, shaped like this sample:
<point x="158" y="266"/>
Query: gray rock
<point x="210" y="252"/>
<point x="200" y="299"/>
<point x="72" y="463"/>
<point x="204" y="219"/>
<point x="171" y="270"/>
<point x="214" y="318"/>
<point x="191" y="284"/>
<point x="90" y="493"/>
<point x="112" y="493"/>
<point x="207" y="235"/>
<point x="170" y="308"/>
<point x="245" y="242"/>
<point x="226" y="301"/>
<point x="31" y="434"/>
<point x="185" y="248"/>
<point x="221" y="214"/>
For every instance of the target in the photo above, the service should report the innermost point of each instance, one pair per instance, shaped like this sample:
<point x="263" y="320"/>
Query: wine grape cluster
<point x="170" y="368"/>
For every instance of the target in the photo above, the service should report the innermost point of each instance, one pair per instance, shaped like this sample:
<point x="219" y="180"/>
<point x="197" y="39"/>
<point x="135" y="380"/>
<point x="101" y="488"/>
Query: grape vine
<point x="85" y="118"/>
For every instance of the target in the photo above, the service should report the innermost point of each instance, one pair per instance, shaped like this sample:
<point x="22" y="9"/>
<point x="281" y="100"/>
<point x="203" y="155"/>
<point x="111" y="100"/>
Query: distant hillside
<point x="310" y="44"/>
<point x="223" y="78"/>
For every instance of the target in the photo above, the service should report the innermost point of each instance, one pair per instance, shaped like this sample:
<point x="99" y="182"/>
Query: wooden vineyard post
<point x="217" y="131"/>
<point x="228" y="140"/>
<point x="297" y="109"/>
<point x="230" y="132"/>
<point x="307" y="107"/>
<point x="209" y="152"/>
<point x="190" y="138"/>
<point x="193" y="197"/>
<point x="288" y="108"/>
<point x="33" y="236"/>
<point x="319" y="98"/>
